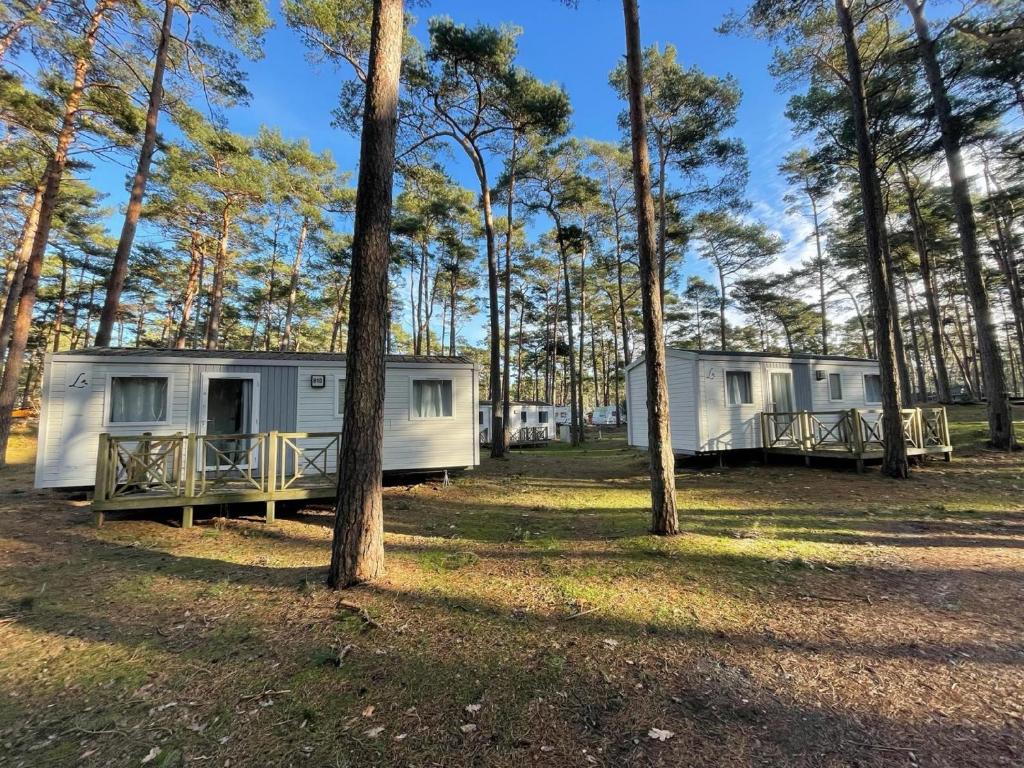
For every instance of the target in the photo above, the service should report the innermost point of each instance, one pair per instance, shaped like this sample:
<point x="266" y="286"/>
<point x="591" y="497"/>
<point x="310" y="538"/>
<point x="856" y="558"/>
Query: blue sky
<point x="577" y="48"/>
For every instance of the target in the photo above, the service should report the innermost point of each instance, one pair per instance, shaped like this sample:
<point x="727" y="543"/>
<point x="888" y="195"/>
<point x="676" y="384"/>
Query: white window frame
<point x="412" y="398"/>
<point x="339" y="413"/>
<point x="109" y="395"/>
<point x="828" y="383"/>
<point x="524" y="417"/>
<point x="871" y="402"/>
<point x="725" y="383"/>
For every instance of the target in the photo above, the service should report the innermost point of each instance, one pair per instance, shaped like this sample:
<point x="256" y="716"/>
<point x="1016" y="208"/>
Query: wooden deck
<point x="525" y="437"/>
<point x="854" y="434"/>
<point x="189" y="470"/>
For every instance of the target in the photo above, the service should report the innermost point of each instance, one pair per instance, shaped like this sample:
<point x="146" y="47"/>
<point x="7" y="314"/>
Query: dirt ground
<point x="807" y="617"/>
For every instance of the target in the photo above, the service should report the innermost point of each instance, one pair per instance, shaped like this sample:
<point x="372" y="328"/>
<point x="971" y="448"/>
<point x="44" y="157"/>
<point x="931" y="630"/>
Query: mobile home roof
<point x="227" y="355"/>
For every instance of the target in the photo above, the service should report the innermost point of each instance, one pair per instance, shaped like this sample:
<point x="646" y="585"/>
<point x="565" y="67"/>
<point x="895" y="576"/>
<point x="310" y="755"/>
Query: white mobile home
<point x="604" y="415"/>
<point x="522" y="413"/>
<point x="716" y="398"/>
<point x="429" y="409"/>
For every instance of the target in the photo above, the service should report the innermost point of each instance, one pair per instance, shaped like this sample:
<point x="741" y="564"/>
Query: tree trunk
<point x="821" y="275"/>
<point x="54" y="175"/>
<point x="894" y="462"/>
<point x="494" y="330"/>
<point x="721" y="309"/>
<point x="507" y="351"/>
<point x="662" y="224"/>
<point x="188" y="299"/>
<point x="1000" y="419"/>
<point x="23" y="252"/>
<point x="293" y="287"/>
<point x="62" y="298"/>
<point x="583" y="336"/>
<point x="8" y="38"/>
<point x="930" y="299"/>
<point x="575" y="417"/>
<point x="664" y="520"/>
<point x="357" y="551"/>
<point x="217" y="288"/>
<point x="626" y="351"/>
<point x="119" y="269"/>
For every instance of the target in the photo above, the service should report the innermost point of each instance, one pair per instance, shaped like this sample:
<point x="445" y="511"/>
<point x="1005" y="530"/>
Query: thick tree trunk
<point x="663" y="481"/>
<point x="1000" y="419"/>
<point x="119" y="269"/>
<point x="23" y="253"/>
<point x="894" y="462"/>
<point x="293" y="287"/>
<point x="54" y="177"/>
<point x="357" y="551"/>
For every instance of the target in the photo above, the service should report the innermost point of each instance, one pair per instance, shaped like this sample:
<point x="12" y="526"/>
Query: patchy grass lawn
<point x="807" y="618"/>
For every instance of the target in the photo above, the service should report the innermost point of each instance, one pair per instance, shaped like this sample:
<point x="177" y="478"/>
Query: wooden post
<point x="272" y="460"/>
<point x="99" y="491"/>
<point x="191" y="444"/>
<point x="857" y="436"/>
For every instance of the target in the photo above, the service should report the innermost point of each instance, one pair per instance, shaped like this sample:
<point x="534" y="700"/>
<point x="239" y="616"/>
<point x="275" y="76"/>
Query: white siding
<point x="727" y="427"/>
<point x="852" y="376"/>
<point x="75" y="414"/>
<point x="636" y="405"/>
<point x="681" y="371"/>
<point x="408" y="443"/>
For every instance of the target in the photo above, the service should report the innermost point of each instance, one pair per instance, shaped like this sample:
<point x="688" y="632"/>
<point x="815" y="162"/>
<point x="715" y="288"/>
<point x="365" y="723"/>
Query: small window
<point x="481" y="414"/>
<point x="339" y="397"/>
<point x="522" y="416"/>
<point x="542" y="417"/>
<point x="738" y="388"/>
<point x="872" y="388"/>
<point x="138" y="399"/>
<point x="835" y="386"/>
<point x="432" y="399"/>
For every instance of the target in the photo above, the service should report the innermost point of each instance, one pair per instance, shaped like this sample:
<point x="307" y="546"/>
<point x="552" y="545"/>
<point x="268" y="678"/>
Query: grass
<point x="806" y="617"/>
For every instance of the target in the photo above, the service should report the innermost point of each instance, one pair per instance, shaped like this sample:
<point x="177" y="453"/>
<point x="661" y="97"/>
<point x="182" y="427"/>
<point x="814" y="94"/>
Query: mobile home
<point x="716" y="398"/>
<point x="429" y="408"/>
<point x="522" y="413"/>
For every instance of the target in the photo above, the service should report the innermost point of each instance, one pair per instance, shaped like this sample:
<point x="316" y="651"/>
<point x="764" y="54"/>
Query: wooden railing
<point x="521" y="436"/>
<point x="856" y="432"/>
<point x="186" y="470"/>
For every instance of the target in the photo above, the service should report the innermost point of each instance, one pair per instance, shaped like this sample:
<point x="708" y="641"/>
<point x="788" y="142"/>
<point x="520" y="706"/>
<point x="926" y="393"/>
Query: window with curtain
<point x="835" y="386"/>
<point x="138" y="399"/>
<point x="432" y="399"/>
<point x="340" y="396"/>
<point x="872" y="388"/>
<point x="738" y="388"/>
